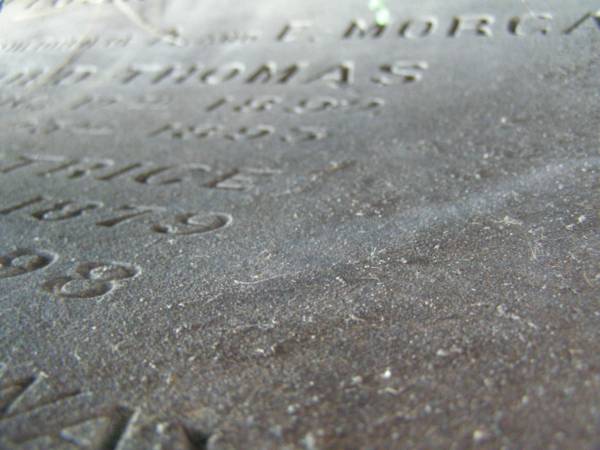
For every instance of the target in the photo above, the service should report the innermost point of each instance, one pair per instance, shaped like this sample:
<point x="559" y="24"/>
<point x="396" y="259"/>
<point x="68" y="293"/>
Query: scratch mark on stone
<point x="171" y="36"/>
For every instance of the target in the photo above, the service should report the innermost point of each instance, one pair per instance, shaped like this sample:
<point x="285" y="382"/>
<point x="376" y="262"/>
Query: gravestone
<point x="300" y="224"/>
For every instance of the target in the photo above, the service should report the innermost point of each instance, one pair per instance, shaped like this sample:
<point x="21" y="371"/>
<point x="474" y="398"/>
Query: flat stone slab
<point x="299" y="225"/>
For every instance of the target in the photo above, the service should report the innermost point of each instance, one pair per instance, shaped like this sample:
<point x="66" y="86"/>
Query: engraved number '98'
<point x="87" y="280"/>
<point x="90" y="279"/>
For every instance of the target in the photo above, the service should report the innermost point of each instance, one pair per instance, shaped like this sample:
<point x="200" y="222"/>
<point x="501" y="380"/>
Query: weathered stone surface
<point x="276" y="225"/>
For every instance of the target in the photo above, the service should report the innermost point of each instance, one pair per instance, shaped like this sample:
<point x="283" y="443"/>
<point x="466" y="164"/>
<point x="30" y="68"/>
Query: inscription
<point x="63" y="210"/>
<point x="294" y="135"/>
<point x="49" y="44"/>
<point x="64" y="44"/>
<point x="20" y="261"/>
<point x="184" y="224"/>
<point x="137" y="103"/>
<point x="179" y="131"/>
<point x="256" y="104"/>
<point x="334" y="75"/>
<point x="18" y="103"/>
<point x="74" y="127"/>
<point x="144" y="173"/>
<point x="36" y="413"/>
<point x="276" y="103"/>
<point x="225" y="37"/>
<point x="478" y="25"/>
<point x="91" y="279"/>
<point x="88" y="280"/>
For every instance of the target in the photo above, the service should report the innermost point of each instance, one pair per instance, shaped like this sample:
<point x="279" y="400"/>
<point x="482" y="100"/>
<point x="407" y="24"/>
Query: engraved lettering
<point x="184" y="75"/>
<point x="528" y="24"/>
<point x="176" y="130"/>
<point x="418" y="28"/>
<point x="238" y="180"/>
<point x="316" y="104"/>
<point x="131" y="212"/>
<point x="339" y="75"/>
<point x="401" y="72"/>
<point x="158" y="71"/>
<point x="153" y="176"/>
<point x="119" y="172"/>
<point x="268" y="71"/>
<point x="595" y="16"/>
<point x="62" y="166"/>
<point x="246" y="133"/>
<point x="22" y="261"/>
<point x="182" y="132"/>
<point x="362" y="29"/>
<point x="185" y="224"/>
<point x="78" y="168"/>
<point x="303" y="134"/>
<point x="23" y="161"/>
<point x="139" y="103"/>
<point x="144" y="178"/>
<point x="89" y="280"/>
<point x="224" y="73"/>
<point x="64" y="210"/>
<point x="221" y="102"/>
<point x="293" y="29"/>
<point x="374" y="103"/>
<point x="206" y="131"/>
<point x="25" y="77"/>
<point x="479" y="24"/>
<point x="35" y="414"/>
<point x="77" y="74"/>
<point x="259" y="104"/>
<point x="86" y="101"/>
<point x="21" y="205"/>
<point x="145" y="173"/>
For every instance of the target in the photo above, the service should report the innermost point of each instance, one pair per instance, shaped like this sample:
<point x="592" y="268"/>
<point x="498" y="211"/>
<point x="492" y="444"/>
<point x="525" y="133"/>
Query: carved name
<point x="143" y="173"/>
<point x="340" y="74"/>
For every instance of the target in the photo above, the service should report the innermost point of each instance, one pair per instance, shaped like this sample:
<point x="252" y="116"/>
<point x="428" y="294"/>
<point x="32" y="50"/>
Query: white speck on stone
<point x="387" y="374"/>
<point x="480" y="435"/>
<point x="357" y="379"/>
<point x="510" y="221"/>
<point x="309" y="442"/>
<point x="581" y="219"/>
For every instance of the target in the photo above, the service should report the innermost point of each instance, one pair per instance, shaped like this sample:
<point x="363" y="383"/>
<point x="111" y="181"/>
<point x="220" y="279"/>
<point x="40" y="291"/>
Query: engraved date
<point x="44" y="209"/>
<point x="86" y="280"/>
<point x="308" y="105"/>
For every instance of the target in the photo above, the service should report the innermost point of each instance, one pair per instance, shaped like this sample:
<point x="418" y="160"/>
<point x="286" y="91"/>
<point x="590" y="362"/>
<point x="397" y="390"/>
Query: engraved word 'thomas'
<point x="334" y="75"/>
